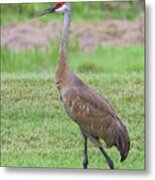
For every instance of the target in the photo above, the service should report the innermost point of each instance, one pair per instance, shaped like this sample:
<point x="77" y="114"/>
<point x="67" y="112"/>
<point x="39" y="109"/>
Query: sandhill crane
<point x="86" y="107"/>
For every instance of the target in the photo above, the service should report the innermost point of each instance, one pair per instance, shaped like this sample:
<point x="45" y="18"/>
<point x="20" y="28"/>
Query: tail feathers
<point x="123" y="142"/>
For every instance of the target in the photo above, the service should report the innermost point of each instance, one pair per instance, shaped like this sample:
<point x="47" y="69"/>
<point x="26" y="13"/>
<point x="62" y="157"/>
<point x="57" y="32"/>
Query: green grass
<point x="89" y="11"/>
<point x="103" y="59"/>
<point x="36" y="132"/>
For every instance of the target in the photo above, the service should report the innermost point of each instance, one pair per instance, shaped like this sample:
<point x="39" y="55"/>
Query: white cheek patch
<point x="61" y="9"/>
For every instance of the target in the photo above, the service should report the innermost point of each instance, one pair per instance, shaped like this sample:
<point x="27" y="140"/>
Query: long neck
<point x="63" y="67"/>
<point x="67" y="19"/>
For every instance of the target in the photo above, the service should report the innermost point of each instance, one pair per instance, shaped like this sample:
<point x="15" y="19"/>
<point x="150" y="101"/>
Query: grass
<point x="89" y="11"/>
<point x="103" y="59"/>
<point x="36" y="132"/>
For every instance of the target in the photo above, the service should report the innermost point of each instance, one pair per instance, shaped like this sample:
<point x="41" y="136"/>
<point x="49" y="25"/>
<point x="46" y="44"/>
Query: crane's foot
<point x="111" y="164"/>
<point x="85" y="163"/>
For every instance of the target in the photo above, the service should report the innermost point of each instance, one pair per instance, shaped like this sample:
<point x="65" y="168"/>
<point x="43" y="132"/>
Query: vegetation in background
<point x="96" y="10"/>
<point x="103" y="59"/>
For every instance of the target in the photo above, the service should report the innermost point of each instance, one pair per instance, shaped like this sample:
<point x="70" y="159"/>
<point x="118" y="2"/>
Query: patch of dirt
<point x="32" y="34"/>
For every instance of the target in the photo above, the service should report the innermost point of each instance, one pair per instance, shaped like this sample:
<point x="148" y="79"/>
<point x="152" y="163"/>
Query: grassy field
<point x="103" y="59"/>
<point x="89" y="11"/>
<point x="35" y="130"/>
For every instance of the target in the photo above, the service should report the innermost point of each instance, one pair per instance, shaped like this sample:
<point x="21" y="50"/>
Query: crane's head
<point x="59" y="7"/>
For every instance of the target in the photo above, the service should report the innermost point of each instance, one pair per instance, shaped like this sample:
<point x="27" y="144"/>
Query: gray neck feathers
<point x="63" y="66"/>
<point x="67" y="19"/>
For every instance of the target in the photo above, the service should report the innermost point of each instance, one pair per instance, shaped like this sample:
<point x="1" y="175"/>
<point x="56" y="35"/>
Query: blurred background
<point x="94" y="25"/>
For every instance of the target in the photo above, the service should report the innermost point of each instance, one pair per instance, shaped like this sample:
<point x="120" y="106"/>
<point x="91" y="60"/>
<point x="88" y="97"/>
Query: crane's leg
<point x="85" y="160"/>
<point x="110" y="162"/>
<point x="96" y="141"/>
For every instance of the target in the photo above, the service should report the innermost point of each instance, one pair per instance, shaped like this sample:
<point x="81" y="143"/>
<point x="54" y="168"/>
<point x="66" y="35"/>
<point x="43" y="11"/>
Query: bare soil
<point x="32" y="34"/>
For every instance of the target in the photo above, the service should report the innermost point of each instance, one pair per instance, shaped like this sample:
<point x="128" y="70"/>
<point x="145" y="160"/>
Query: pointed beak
<point x="47" y="11"/>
